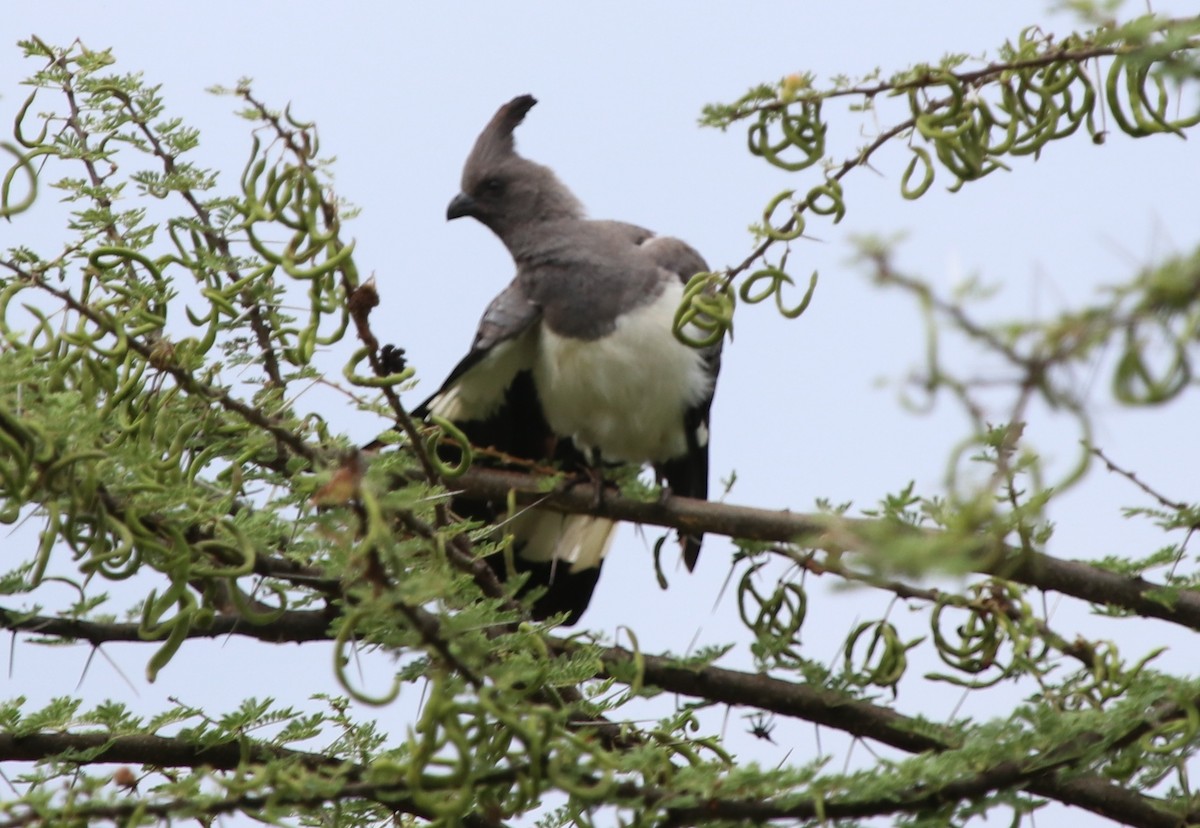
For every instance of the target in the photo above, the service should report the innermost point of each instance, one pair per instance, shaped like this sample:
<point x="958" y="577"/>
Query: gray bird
<point x="575" y="361"/>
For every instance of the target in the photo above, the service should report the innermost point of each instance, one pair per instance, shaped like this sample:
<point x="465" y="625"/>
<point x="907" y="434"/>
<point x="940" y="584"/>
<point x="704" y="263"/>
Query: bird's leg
<point x="589" y="471"/>
<point x="596" y="471"/>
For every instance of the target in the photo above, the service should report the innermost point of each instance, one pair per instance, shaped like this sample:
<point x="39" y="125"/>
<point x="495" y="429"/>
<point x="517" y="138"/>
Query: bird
<point x="575" y="362"/>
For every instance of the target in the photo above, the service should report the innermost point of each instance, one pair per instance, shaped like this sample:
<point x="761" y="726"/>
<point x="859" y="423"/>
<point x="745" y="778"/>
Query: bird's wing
<point x="482" y="380"/>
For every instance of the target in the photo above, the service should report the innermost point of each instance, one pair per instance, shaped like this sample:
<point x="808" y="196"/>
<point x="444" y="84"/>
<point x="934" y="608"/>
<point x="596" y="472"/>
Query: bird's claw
<point x="595" y="479"/>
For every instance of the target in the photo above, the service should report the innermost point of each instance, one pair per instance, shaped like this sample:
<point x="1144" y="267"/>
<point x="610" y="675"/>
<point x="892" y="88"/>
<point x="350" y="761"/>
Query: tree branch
<point x="1077" y="579"/>
<point x="168" y="752"/>
<point x="159" y="751"/>
<point x="291" y="627"/>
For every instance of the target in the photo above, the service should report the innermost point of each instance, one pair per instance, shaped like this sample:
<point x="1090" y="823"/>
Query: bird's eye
<point x="492" y="187"/>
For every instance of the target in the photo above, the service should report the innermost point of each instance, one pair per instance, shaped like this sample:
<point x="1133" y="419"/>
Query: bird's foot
<point x="593" y="477"/>
<point x="598" y="491"/>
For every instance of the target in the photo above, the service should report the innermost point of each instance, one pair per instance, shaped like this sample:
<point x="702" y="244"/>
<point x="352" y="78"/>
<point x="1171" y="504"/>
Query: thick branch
<point x="714" y="683"/>
<point x="165" y="752"/>
<point x="158" y="751"/>
<point x="1093" y="793"/>
<point x="293" y="626"/>
<point x="1118" y="803"/>
<point x="1077" y="579"/>
<point x="787" y="698"/>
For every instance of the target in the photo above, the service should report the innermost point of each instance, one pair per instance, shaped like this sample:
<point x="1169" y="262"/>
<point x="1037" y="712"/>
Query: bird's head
<point x="506" y="192"/>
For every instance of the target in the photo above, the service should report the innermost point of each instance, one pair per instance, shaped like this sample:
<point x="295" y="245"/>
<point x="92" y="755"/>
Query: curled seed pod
<point x="8" y="207"/>
<point x="332" y="262"/>
<point x="175" y="629"/>
<point x="45" y="545"/>
<point x="886" y="656"/>
<point x="163" y="655"/>
<point x="706" y="312"/>
<point x="19" y="132"/>
<point x="251" y="205"/>
<point x="565" y="774"/>
<point x="17" y="448"/>
<point x="344" y="640"/>
<point x="233" y="560"/>
<point x="775" y="619"/>
<point x="252" y="611"/>
<point x="776" y="278"/>
<point x="385" y="381"/>
<point x="790" y="230"/>
<point x="801" y="129"/>
<point x="460" y="443"/>
<point x="1176" y="735"/>
<point x="121" y="559"/>
<point x="906" y="189"/>
<point x="1145" y="116"/>
<point x="827" y="200"/>
<point x="1108" y="677"/>
<point x="1134" y="383"/>
<point x="108" y="258"/>
<point x="1125" y="764"/>
<point x="978" y="638"/>
<point x="1116" y="106"/>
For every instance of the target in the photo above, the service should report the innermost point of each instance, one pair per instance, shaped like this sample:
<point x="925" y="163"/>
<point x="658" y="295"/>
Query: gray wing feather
<point x="503" y="347"/>
<point x="674" y="255"/>
<point x="510" y="314"/>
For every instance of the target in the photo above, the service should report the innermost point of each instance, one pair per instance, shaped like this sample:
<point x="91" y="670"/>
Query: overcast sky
<point x="400" y="91"/>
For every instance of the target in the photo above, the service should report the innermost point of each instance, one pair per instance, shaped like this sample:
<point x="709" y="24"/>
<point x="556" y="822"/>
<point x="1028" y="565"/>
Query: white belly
<point x="626" y="393"/>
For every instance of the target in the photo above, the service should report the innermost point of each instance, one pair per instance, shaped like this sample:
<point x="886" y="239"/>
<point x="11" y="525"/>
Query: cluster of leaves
<point x="964" y="122"/>
<point x="151" y="377"/>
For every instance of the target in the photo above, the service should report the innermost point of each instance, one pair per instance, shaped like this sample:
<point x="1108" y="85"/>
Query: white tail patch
<point x="581" y="541"/>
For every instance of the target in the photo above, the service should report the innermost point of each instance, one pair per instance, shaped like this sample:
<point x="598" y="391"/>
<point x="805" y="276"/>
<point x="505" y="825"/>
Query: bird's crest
<point x="496" y="140"/>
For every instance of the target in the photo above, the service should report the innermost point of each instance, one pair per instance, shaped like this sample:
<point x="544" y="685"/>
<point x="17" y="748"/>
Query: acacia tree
<point x="152" y="431"/>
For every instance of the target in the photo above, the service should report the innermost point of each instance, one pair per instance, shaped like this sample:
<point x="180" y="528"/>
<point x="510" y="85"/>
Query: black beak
<point x="461" y="205"/>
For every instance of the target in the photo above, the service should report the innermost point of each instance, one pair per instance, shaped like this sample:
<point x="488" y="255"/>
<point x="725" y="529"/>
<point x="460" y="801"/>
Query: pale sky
<point x="400" y="91"/>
